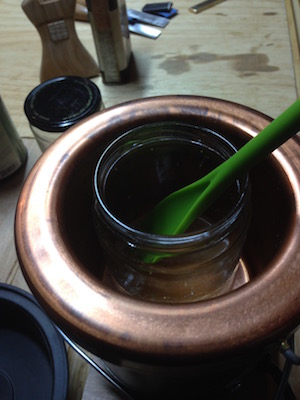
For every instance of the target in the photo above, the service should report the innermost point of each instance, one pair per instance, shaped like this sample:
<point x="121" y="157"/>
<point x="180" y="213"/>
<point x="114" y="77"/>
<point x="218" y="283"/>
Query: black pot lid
<point x="33" y="360"/>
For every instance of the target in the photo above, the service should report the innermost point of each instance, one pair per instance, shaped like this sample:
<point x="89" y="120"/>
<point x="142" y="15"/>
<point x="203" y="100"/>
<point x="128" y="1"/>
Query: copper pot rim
<point x="259" y="312"/>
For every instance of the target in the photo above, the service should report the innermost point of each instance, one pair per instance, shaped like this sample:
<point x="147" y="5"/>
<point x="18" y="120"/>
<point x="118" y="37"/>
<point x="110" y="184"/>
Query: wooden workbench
<point x="245" y="52"/>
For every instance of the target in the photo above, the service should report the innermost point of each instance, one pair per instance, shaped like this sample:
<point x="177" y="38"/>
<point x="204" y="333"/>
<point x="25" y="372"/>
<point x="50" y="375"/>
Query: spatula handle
<point x="271" y="137"/>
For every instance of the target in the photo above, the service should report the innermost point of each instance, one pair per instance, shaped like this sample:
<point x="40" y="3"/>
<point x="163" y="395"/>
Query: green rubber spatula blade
<point x="176" y="212"/>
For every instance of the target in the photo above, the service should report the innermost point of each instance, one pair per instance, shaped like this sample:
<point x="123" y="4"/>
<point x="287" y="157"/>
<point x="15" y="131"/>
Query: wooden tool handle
<point x="81" y="11"/>
<point x="63" y="53"/>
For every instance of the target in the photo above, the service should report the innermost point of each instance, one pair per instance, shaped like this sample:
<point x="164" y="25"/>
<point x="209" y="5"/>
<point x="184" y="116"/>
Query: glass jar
<point x="133" y="174"/>
<point x="13" y="153"/>
<point x="59" y="103"/>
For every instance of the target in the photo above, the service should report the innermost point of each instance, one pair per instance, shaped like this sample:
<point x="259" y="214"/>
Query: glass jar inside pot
<point x="133" y="174"/>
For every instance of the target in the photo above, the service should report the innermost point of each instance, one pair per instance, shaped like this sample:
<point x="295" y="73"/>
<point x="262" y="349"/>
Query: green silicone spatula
<point x="175" y="213"/>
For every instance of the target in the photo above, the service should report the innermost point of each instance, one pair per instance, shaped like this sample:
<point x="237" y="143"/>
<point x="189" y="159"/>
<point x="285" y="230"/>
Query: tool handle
<point x="63" y="53"/>
<point x="270" y="138"/>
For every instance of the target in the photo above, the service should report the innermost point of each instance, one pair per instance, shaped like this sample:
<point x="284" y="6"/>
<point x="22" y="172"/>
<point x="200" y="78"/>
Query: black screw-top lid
<point x="57" y="104"/>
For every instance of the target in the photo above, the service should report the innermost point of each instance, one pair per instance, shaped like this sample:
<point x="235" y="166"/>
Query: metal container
<point x="208" y="346"/>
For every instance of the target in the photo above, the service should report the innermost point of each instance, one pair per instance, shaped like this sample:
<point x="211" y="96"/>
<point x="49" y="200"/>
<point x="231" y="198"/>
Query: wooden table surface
<point x="246" y="52"/>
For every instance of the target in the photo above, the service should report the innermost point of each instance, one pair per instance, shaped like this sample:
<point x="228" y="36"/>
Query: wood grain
<point x="63" y="53"/>
<point x="241" y="53"/>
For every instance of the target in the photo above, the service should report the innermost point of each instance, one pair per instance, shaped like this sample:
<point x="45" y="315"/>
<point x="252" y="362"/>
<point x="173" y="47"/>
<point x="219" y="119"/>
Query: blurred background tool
<point x="81" y="11"/>
<point x="111" y="36"/>
<point x="204" y="5"/>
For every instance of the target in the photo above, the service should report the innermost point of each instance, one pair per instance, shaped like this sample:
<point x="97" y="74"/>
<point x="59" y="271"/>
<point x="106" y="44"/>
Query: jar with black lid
<point x="59" y="103"/>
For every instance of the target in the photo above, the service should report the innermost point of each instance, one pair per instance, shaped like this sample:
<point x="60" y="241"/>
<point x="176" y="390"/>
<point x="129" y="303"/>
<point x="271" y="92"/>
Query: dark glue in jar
<point x="57" y="104"/>
<point x="134" y="173"/>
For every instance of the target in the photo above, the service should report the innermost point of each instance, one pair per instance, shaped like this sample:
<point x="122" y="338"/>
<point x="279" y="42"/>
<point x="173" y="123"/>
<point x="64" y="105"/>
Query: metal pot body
<point x="63" y="263"/>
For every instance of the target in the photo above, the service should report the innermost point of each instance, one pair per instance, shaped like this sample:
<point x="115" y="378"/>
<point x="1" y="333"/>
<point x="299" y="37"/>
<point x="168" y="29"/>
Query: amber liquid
<point x="138" y="179"/>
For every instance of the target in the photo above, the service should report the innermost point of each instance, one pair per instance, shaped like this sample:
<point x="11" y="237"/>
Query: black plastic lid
<point x="59" y="103"/>
<point x="33" y="361"/>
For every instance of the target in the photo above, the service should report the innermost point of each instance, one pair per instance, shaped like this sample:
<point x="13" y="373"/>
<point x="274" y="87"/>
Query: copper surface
<point x="62" y="261"/>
